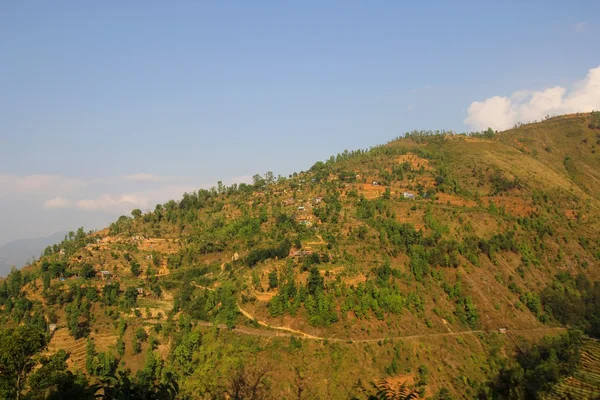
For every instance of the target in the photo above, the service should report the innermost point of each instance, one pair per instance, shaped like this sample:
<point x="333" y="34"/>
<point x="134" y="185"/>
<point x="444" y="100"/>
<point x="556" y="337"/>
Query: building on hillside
<point x="317" y="200"/>
<point x="140" y="290"/>
<point x="300" y="253"/>
<point x="105" y="274"/>
<point x="408" y="195"/>
<point x="375" y="183"/>
<point x="502" y="330"/>
<point x="301" y="208"/>
<point x="51" y="328"/>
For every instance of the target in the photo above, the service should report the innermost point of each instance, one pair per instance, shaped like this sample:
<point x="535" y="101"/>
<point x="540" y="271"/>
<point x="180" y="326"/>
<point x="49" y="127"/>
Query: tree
<point x="136" y="213"/>
<point x="130" y="297"/>
<point x="537" y="368"/>
<point x="269" y="177"/>
<point x="248" y="384"/>
<point x="273" y="281"/>
<point x="183" y="354"/>
<point x="315" y="281"/>
<point x="258" y="180"/>
<point x="87" y="271"/>
<point x="19" y="354"/>
<point x="135" y="268"/>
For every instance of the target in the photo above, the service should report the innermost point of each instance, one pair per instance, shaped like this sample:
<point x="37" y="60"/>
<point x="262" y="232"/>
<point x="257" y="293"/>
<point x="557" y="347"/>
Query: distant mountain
<point x="19" y="252"/>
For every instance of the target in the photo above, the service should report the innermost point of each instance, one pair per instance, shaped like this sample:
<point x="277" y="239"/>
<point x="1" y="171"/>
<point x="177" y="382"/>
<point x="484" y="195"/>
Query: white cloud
<point x="38" y="182"/>
<point x="57" y="202"/>
<point x="141" y="177"/>
<point x="123" y="203"/>
<point x="113" y="203"/>
<point x="524" y="106"/>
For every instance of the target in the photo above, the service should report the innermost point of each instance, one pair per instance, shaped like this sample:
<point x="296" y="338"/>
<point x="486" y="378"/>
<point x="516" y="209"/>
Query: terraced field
<point x="77" y="348"/>
<point x="585" y="382"/>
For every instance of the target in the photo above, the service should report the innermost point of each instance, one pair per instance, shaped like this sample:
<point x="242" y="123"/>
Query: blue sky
<point x="116" y="104"/>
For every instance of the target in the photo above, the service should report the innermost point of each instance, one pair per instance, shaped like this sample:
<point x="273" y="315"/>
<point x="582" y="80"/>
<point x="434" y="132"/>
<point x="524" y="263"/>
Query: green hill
<point x="419" y="261"/>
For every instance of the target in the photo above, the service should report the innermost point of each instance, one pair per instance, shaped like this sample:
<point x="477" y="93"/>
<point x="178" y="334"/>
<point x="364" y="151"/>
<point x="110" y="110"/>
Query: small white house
<point x="375" y="183"/>
<point x="408" y="195"/>
<point x="105" y="274"/>
<point x="301" y="208"/>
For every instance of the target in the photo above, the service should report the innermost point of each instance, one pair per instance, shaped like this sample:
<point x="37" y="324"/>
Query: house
<point x="502" y="330"/>
<point x="301" y="208"/>
<point x="375" y="183"/>
<point x="51" y="328"/>
<point x="408" y="195"/>
<point x="140" y="290"/>
<point x="105" y="274"/>
<point x="300" y="253"/>
<point x="235" y="257"/>
<point x="317" y="200"/>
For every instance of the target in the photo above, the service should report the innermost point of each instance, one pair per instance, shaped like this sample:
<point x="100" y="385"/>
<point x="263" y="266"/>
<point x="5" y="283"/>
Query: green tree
<point x="315" y="281"/>
<point x="135" y="268"/>
<point x="20" y="350"/>
<point x="273" y="280"/>
<point x="87" y="271"/>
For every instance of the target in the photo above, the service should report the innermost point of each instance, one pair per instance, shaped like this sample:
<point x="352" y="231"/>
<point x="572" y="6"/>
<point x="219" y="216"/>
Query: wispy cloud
<point x="113" y="203"/>
<point x="57" y="202"/>
<point x="38" y="182"/>
<point x="500" y="112"/>
<point x="142" y="177"/>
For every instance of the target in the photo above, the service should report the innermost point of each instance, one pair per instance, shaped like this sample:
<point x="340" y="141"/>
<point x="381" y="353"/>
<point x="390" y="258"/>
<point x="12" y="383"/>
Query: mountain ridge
<point x="433" y="251"/>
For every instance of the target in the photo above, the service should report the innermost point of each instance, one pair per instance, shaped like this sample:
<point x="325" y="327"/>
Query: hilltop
<point x="419" y="261"/>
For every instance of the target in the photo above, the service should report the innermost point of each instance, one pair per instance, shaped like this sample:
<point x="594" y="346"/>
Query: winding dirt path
<point x="286" y="331"/>
<point x="279" y="328"/>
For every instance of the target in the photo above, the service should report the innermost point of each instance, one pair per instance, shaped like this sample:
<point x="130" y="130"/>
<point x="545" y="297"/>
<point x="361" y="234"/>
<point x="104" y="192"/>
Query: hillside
<point x="420" y="261"/>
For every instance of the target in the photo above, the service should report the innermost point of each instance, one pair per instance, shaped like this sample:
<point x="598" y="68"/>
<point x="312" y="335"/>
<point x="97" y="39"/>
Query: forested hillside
<point x="433" y="264"/>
